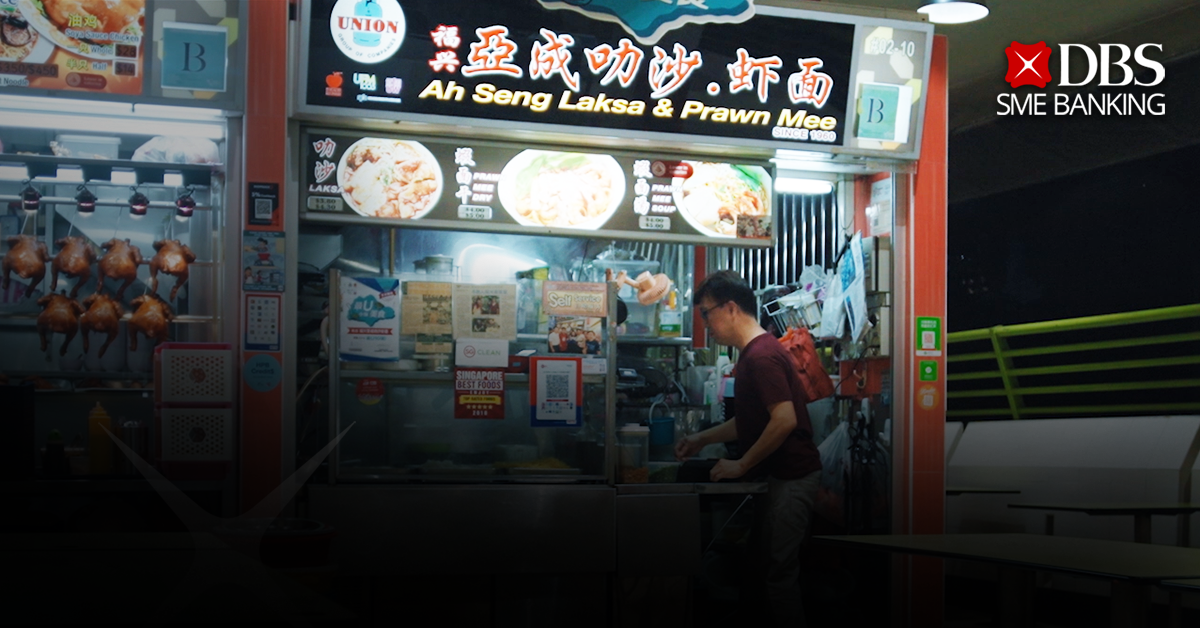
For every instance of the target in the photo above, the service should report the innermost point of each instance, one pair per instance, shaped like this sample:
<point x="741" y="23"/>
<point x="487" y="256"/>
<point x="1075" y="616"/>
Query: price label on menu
<point x="656" y="223"/>
<point x="474" y="212"/>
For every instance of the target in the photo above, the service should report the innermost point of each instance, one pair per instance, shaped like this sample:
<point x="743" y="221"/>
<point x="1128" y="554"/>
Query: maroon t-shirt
<point x="766" y="376"/>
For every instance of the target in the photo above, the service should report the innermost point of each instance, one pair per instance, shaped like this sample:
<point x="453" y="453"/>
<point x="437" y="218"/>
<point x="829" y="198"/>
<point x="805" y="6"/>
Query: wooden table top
<point x="1117" y="508"/>
<point x="1120" y="560"/>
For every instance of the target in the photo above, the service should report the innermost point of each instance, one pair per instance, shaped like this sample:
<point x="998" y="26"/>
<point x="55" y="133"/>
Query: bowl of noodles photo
<point x="543" y="188"/>
<point x="383" y="178"/>
<point x="716" y="194"/>
<point x="19" y="41"/>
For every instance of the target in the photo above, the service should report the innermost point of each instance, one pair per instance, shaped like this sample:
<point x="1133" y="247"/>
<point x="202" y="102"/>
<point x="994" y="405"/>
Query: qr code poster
<point x="555" y="392"/>
<point x="262" y="261"/>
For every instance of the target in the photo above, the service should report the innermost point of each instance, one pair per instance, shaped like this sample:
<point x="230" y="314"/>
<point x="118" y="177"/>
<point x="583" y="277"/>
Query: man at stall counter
<point x="773" y="433"/>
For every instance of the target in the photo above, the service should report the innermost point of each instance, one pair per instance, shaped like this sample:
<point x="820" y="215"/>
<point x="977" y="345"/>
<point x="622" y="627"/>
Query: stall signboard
<point x="485" y="186"/>
<point x="766" y="76"/>
<point x="143" y="51"/>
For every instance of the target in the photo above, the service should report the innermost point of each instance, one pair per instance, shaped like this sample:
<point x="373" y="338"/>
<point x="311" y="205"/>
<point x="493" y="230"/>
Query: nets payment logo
<point x="1107" y="66"/>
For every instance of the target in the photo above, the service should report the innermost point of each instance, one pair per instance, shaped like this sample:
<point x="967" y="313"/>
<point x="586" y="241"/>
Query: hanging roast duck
<point x="60" y="314"/>
<point x="120" y="263"/>
<point x="172" y="258"/>
<point x="27" y="256"/>
<point x="151" y="317"/>
<point x="74" y="259"/>
<point x="103" y="315"/>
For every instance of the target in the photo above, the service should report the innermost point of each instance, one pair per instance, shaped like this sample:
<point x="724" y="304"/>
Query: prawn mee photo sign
<point x="471" y="185"/>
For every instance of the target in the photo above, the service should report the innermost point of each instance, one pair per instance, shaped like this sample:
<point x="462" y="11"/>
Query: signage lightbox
<point x="767" y="77"/>
<point x="487" y="186"/>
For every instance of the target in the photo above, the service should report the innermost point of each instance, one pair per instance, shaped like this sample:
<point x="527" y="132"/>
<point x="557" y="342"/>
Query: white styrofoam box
<point x="90" y="146"/>
<point x="196" y="434"/>
<point x="196" y="376"/>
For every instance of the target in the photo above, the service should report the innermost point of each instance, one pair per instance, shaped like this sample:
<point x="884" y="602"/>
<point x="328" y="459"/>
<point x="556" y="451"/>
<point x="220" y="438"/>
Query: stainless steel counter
<point x="702" y="488"/>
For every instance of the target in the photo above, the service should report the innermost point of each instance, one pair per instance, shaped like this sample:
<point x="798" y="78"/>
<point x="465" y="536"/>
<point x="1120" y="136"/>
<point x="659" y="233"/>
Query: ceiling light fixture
<point x="789" y="185"/>
<point x="185" y="205"/>
<point x="85" y="201"/>
<point x="31" y="199"/>
<point x="138" y="204"/>
<point x="954" y="11"/>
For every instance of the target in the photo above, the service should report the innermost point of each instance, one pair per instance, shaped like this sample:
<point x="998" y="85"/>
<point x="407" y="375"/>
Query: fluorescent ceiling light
<point x="124" y="176"/>
<point x="786" y="154"/>
<point x="13" y="172"/>
<point x="66" y="105"/>
<point x="789" y="185"/>
<point x="170" y="112"/>
<point x="954" y="11"/>
<point x="115" y="125"/>
<point x="73" y="174"/>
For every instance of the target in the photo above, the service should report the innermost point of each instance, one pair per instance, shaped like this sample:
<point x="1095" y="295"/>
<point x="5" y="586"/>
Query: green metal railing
<point x="1007" y="365"/>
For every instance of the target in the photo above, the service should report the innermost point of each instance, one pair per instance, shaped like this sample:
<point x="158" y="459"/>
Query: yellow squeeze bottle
<point x="99" y="444"/>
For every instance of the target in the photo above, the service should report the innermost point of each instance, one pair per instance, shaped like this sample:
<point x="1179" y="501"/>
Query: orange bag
<point x="800" y="345"/>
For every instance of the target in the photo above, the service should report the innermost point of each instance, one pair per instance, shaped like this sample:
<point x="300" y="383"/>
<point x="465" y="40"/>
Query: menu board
<point x="50" y="44"/>
<point x="485" y="186"/>
<point x="767" y="76"/>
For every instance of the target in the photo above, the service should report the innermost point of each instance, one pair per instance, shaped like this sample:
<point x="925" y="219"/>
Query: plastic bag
<point x="833" y="452"/>
<point x="179" y="150"/>
<point x="803" y="350"/>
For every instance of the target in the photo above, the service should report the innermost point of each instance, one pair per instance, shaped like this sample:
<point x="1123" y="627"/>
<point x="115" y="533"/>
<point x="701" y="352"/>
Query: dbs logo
<point x="1028" y="64"/>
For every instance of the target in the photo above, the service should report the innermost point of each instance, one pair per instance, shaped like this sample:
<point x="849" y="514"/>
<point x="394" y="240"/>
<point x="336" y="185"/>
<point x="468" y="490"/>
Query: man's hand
<point x="688" y="446"/>
<point x="727" y="470"/>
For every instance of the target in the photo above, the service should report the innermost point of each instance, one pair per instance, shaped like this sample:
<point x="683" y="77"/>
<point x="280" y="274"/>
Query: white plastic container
<point x="89" y="146"/>
<point x="633" y="451"/>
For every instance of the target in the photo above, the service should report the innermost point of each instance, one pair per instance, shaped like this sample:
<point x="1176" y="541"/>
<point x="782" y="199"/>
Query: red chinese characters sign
<point x="768" y="77"/>
<point x="478" y="393"/>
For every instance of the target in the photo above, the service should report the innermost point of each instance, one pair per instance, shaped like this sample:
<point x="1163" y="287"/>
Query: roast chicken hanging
<point x="151" y="317"/>
<point x="60" y="315"/>
<point x="172" y="258"/>
<point x="74" y="259"/>
<point x="103" y="316"/>
<point x="120" y="263"/>
<point x="27" y="256"/>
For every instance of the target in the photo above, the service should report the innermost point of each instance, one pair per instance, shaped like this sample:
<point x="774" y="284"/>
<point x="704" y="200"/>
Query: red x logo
<point x="1028" y="64"/>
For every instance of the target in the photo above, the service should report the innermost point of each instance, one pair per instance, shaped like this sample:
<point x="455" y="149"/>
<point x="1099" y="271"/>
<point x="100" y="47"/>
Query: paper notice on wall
<point x="425" y="308"/>
<point x="485" y="311"/>
<point x="368" y="328"/>
<point x="854" y="292"/>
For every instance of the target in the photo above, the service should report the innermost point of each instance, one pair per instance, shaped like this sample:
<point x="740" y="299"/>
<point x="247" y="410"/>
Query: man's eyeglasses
<point x="704" y="311"/>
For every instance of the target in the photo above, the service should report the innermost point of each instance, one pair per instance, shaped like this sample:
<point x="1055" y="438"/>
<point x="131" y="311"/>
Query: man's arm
<point x="781" y="423"/>
<point x="691" y="444"/>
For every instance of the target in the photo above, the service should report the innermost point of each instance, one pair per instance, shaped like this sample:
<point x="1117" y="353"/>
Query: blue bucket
<point x="662" y="430"/>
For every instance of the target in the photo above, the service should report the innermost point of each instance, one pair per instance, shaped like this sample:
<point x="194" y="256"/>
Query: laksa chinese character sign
<point x="712" y="68"/>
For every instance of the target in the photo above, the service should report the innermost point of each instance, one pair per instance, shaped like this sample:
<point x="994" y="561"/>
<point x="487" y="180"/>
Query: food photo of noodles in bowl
<point x="384" y="178"/>
<point x="544" y="188"/>
<point x="716" y="194"/>
<point x="19" y="41"/>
